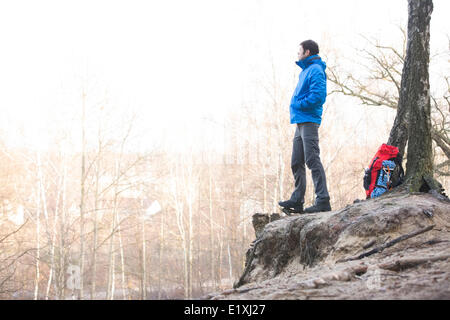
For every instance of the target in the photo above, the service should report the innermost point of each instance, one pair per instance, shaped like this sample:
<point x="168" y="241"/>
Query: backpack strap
<point x="373" y="162"/>
<point x="369" y="183"/>
<point x="398" y="162"/>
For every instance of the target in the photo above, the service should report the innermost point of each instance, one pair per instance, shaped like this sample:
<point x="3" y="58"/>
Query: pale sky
<point x="174" y="62"/>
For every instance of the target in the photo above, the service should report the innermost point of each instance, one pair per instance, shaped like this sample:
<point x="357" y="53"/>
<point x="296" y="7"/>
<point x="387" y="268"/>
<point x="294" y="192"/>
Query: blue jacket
<point x="311" y="91"/>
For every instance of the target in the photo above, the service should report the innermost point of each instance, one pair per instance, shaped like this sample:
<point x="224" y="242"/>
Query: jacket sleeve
<point x="317" y="92"/>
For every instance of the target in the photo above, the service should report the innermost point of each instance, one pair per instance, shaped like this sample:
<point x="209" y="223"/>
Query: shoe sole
<point x="290" y="211"/>
<point x="318" y="211"/>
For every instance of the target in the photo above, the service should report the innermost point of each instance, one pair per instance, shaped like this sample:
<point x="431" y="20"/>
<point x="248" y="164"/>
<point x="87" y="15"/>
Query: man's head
<point x="307" y="48"/>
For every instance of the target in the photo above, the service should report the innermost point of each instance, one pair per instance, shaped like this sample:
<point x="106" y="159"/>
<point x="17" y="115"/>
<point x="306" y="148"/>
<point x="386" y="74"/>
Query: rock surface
<point x="316" y="256"/>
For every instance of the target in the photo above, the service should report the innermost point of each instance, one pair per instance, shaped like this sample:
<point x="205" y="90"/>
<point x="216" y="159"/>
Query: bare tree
<point x="388" y="85"/>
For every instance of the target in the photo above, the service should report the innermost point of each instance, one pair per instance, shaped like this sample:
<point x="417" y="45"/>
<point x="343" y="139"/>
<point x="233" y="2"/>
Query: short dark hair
<point x="310" y="45"/>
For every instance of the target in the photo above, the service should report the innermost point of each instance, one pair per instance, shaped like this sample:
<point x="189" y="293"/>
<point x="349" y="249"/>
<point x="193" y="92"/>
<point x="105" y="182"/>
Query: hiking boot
<point x="289" y="204"/>
<point x="320" y="206"/>
<point x="290" y="207"/>
<point x="294" y="210"/>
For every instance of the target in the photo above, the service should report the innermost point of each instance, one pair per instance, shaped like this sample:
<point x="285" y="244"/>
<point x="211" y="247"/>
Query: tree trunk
<point x="244" y="243"/>
<point x="416" y="93"/>
<point x="264" y="187"/>
<point x="144" y="258"/>
<point x="82" y="193"/>
<point x="38" y="228"/>
<point x="399" y="132"/>
<point x="230" y="263"/>
<point x="219" y="257"/>
<point x="191" y="247"/>
<point x="111" y="270"/>
<point x="211" y="234"/>
<point x="276" y="197"/>
<point x="161" y="252"/>
<point x="95" y="227"/>
<point x="61" y="283"/>
<point x="180" y="223"/>
<point x="122" y="265"/>
<point x="94" y="245"/>
<point x="53" y="240"/>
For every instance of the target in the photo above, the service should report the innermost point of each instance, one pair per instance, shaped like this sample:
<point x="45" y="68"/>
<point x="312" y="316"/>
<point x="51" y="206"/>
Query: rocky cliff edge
<point x="393" y="247"/>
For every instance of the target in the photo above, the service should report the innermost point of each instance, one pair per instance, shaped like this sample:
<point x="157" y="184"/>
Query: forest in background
<point x="104" y="222"/>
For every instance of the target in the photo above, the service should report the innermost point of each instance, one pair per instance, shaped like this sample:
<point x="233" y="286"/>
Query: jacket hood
<point x="315" y="59"/>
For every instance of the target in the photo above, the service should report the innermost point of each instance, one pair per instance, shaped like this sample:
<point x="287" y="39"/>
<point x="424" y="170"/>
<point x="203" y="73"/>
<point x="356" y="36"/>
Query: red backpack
<point x="385" y="152"/>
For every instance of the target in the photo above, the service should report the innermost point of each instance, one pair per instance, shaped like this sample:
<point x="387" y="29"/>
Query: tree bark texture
<point x="414" y="88"/>
<point x="416" y="93"/>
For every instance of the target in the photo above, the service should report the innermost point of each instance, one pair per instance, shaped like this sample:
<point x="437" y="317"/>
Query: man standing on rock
<point x="306" y="112"/>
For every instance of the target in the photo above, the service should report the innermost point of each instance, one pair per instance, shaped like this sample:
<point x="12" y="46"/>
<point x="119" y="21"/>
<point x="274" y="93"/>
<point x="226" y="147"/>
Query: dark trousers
<point x="306" y="151"/>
